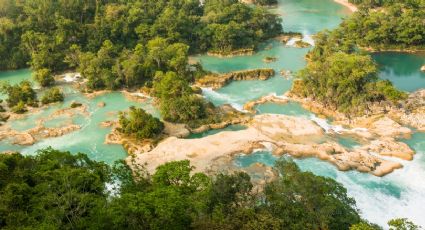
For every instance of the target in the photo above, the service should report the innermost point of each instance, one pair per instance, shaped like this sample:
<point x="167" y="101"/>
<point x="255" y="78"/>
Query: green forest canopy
<point x="116" y="44"/>
<point x="42" y="32"/>
<point x="57" y="190"/>
<point x="394" y="25"/>
<point x="341" y="76"/>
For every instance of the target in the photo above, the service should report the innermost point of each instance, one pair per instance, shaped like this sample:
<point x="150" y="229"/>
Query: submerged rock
<point x="269" y="59"/>
<point x="286" y="73"/>
<point x="301" y="44"/>
<point x="76" y="104"/>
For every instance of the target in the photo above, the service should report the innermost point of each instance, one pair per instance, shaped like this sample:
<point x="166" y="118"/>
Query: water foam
<point x="306" y="38"/>
<point x="326" y="126"/>
<point x="379" y="205"/>
<point x="216" y="96"/>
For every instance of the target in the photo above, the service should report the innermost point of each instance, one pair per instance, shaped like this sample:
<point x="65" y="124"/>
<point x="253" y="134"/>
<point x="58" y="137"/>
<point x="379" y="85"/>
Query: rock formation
<point x="233" y="53"/>
<point x="250" y="106"/>
<point x="216" y="81"/>
<point x="280" y="134"/>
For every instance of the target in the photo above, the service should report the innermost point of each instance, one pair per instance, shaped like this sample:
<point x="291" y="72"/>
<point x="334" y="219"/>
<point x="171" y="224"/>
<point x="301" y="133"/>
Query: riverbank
<point x="233" y="53"/>
<point x="351" y="6"/>
<point x="216" y="81"/>
<point x="281" y="134"/>
<point x="409" y="113"/>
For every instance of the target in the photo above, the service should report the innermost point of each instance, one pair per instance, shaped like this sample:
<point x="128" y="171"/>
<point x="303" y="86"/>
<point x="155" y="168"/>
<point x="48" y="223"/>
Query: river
<point x="400" y="194"/>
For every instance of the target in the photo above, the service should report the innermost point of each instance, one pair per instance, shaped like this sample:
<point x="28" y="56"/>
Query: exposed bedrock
<point x="216" y="81"/>
<point x="280" y="134"/>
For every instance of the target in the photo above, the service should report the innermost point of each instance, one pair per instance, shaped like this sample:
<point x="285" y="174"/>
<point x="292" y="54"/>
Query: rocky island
<point x="216" y="81"/>
<point x="280" y="134"/>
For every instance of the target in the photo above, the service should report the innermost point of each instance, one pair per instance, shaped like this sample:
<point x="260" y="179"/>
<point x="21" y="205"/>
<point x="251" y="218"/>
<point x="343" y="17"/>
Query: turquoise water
<point x="238" y="93"/>
<point x="400" y="194"/>
<point x="214" y="131"/>
<point x="90" y="138"/>
<point x="347" y="141"/>
<point x="259" y="156"/>
<point x="403" y="69"/>
<point x="309" y="16"/>
<point x="289" y="58"/>
<point x="15" y="76"/>
<point x="291" y="109"/>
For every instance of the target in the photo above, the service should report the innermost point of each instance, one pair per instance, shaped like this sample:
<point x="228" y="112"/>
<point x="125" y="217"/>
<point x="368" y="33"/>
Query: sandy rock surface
<point x="280" y="134"/>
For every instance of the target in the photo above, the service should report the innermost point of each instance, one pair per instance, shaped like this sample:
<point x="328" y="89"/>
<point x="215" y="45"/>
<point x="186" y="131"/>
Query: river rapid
<point x="399" y="194"/>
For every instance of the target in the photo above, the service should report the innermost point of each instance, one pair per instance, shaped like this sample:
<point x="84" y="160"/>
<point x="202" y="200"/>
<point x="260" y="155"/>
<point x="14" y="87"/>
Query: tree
<point x="21" y="93"/>
<point x="54" y="190"/>
<point x="44" y="77"/>
<point x="305" y="201"/>
<point x="59" y="190"/>
<point x="52" y="95"/>
<point x="140" y="124"/>
<point x="177" y="101"/>
<point x="402" y="224"/>
<point x="346" y="82"/>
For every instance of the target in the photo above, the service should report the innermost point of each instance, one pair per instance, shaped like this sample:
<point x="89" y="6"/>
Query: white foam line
<point x="214" y="94"/>
<point x="326" y="126"/>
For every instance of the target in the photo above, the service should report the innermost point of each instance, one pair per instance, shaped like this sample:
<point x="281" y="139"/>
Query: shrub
<point x="140" y="124"/>
<point x="44" y="77"/>
<point x="52" y="95"/>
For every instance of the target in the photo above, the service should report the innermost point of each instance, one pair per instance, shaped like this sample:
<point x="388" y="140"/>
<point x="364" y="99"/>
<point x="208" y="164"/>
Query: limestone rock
<point x="217" y="81"/>
<point x="176" y="130"/>
<point x="390" y="147"/>
<point x="389" y="128"/>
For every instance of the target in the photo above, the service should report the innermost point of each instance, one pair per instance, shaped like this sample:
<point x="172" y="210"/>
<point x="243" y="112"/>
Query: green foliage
<point x="381" y="3"/>
<point x="177" y="101"/>
<point x="340" y="76"/>
<point x="76" y="104"/>
<point x="394" y="224"/>
<point x="19" y="95"/>
<point x="305" y="201"/>
<point x="328" y="43"/>
<point x="388" y="91"/>
<point x="266" y="2"/>
<point x="396" y="25"/>
<point x="11" y="55"/>
<point x="365" y="226"/>
<point x="44" y="32"/>
<point x="57" y="190"/>
<point x="52" y="95"/>
<point x="339" y="81"/>
<point x="402" y="224"/>
<point x="345" y="82"/>
<point x="19" y="108"/>
<point x="44" y="77"/>
<point x="53" y="190"/>
<point x="140" y="124"/>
